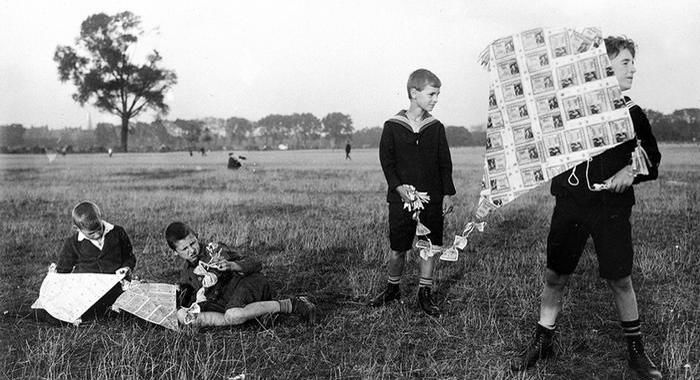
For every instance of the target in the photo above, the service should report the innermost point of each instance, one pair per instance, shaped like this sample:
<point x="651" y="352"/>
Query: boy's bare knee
<point x="234" y="316"/>
<point x="621" y="285"/>
<point x="181" y="315"/>
<point x="554" y="279"/>
<point x="397" y="255"/>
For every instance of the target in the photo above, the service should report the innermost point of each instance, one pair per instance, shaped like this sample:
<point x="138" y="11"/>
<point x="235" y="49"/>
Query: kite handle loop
<point x="573" y="180"/>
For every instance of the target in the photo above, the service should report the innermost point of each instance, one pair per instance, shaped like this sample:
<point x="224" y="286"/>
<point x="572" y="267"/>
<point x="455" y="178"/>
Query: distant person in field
<point x="203" y="151"/>
<point x="233" y="163"/>
<point x="109" y="152"/>
<point x="96" y="246"/>
<point x="226" y="286"/>
<point x="582" y="211"/>
<point x="348" y="148"/>
<point x="413" y="151"/>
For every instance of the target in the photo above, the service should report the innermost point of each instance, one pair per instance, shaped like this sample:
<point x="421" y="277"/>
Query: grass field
<point x="318" y="222"/>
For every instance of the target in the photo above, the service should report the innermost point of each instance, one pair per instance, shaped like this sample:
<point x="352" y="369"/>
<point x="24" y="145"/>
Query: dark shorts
<point x="611" y="232"/>
<point x="402" y="228"/>
<point x="239" y="292"/>
<point x="251" y="288"/>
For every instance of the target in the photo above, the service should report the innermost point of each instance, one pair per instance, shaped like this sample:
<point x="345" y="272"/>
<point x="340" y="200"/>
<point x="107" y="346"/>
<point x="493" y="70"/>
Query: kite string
<point x="573" y="180"/>
<point x="588" y="180"/>
<point x="596" y="186"/>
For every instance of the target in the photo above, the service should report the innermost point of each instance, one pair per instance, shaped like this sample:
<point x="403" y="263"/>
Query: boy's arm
<point x="187" y="286"/>
<point x="643" y="130"/>
<point x="239" y="263"/>
<point x="621" y="181"/>
<point x="387" y="158"/>
<point x="128" y="260"/>
<point x="188" y="278"/>
<point x="185" y="295"/>
<point x="67" y="257"/>
<point x="625" y="178"/>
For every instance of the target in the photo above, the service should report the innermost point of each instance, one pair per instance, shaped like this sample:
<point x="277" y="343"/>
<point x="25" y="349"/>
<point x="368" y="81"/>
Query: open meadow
<point x="319" y="224"/>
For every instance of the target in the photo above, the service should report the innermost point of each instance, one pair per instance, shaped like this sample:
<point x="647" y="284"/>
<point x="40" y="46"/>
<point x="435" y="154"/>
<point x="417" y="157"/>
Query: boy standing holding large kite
<point x="604" y="214"/>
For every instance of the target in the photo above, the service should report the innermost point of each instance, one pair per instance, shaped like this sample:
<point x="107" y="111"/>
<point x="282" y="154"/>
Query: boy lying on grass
<point x="220" y="287"/>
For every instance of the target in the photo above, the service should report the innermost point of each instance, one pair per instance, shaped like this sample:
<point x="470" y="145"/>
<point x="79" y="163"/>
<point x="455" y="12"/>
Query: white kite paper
<point x="67" y="296"/>
<point x="554" y="102"/>
<point x="153" y="302"/>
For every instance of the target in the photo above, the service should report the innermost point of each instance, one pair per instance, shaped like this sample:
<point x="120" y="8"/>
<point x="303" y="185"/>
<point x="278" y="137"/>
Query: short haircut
<point x="177" y="231"/>
<point x="615" y="44"/>
<point x="86" y="216"/>
<point x="421" y="78"/>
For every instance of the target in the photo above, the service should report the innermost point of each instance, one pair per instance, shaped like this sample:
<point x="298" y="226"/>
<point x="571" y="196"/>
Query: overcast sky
<point x="253" y="58"/>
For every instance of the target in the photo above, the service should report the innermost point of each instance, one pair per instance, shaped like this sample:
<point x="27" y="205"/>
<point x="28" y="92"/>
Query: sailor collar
<point x="426" y="120"/>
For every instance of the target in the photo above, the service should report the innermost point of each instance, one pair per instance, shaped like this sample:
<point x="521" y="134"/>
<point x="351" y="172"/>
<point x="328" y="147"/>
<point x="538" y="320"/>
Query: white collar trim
<point x="108" y="227"/>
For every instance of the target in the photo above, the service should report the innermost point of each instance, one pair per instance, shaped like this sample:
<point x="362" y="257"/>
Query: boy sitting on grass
<point x="227" y="288"/>
<point x="96" y="247"/>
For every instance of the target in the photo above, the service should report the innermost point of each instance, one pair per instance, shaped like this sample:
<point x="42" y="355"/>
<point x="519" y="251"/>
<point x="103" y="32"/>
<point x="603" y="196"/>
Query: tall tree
<point x="237" y="129"/>
<point x="276" y="128"/>
<point x="103" y="72"/>
<point x="305" y="126"/>
<point x="367" y="137"/>
<point x="106" y="135"/>
<point x="191" y="130"/>
<point x="337" y="125"/>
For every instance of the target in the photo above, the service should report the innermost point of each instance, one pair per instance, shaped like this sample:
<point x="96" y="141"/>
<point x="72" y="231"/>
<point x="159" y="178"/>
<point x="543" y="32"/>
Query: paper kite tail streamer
<point x="154" y="303"/>
<point x="67" y="296"/>
<point x="640" y="161"/>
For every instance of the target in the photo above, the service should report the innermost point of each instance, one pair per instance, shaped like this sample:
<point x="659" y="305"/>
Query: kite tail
<point x="462" y="240"/>
<point x="416" y="203"/>
<point x="451" y="253"/>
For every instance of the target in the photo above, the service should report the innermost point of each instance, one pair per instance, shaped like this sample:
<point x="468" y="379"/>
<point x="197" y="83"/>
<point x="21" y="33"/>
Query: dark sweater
<point x="227" y="281"/>
<point x="419" y="159"/>
<point x="83" y="257"/>
<point x="606" y="164"/>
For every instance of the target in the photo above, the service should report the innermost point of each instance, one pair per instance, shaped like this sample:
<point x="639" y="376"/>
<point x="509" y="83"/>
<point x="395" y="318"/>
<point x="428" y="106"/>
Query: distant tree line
<point x="295" y="131"/>
<point x="680" y="126"/>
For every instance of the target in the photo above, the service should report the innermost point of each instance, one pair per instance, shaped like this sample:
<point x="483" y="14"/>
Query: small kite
<point x="152" y="302"/>
<point x="67" y="296"/>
